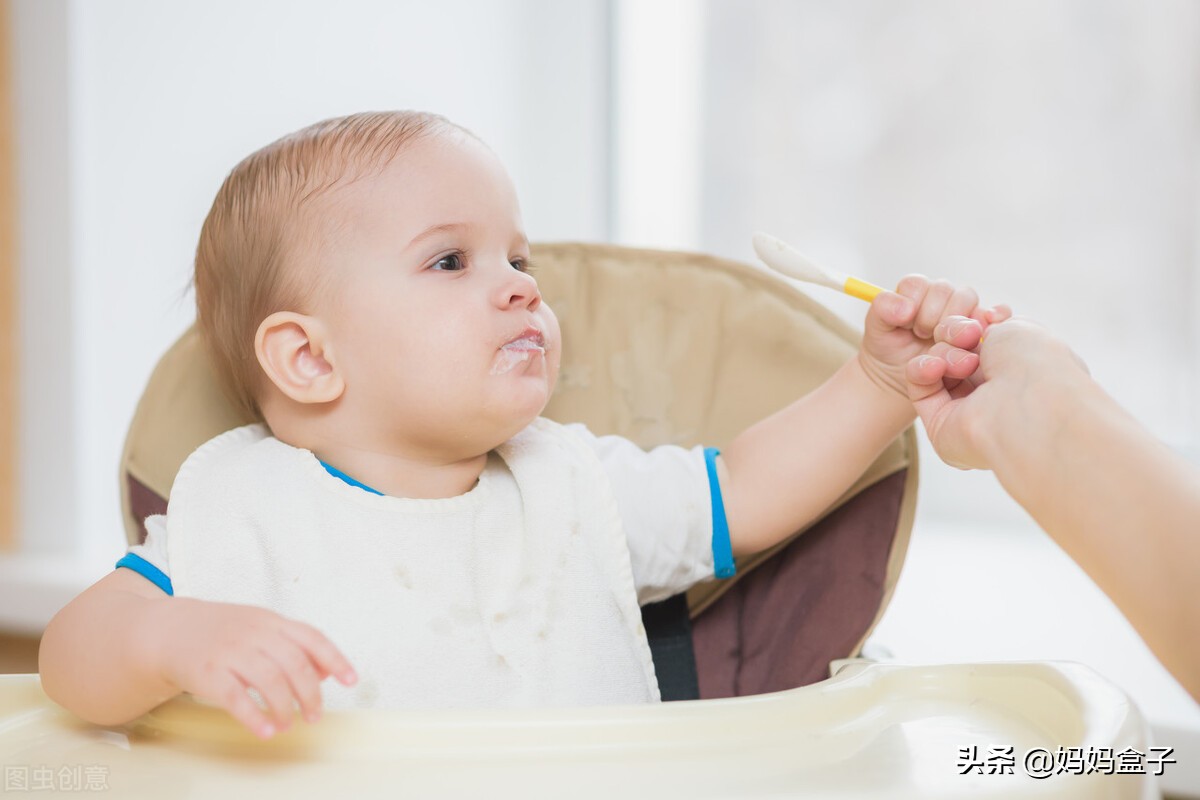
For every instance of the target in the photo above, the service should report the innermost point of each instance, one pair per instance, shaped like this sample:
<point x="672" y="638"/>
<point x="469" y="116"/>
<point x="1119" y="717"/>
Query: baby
<point x="364" y="288"/>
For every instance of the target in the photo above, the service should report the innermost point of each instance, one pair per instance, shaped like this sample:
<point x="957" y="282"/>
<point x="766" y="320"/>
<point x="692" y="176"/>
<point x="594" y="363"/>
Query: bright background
<point x="1044" y="151"/>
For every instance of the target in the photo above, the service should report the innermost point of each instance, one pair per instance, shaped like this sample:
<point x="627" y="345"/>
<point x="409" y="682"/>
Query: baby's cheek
<point x="552" y="333"/>
<point x="549" y="323"/>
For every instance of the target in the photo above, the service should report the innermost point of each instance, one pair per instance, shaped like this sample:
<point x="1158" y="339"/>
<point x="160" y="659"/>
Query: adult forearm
<point x="1119" y="502"/>
<point x="95" y="658"/>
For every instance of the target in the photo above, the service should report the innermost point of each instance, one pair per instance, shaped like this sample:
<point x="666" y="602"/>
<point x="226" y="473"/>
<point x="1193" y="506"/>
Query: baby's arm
<point x="781" y="473"/>
<point x="123" y="647"/>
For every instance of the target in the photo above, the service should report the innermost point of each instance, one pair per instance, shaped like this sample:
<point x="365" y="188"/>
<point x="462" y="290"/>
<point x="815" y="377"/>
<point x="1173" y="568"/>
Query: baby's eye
<point x="449" y="263"/>
<point x="521" y="265"/>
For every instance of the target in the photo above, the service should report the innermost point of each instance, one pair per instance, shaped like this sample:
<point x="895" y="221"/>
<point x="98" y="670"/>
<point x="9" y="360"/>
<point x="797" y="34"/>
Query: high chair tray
<point x="871" y="731"/>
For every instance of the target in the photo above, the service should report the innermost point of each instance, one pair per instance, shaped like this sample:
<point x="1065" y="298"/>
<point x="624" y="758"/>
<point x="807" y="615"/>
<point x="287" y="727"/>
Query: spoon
<point x="782" y="257"/>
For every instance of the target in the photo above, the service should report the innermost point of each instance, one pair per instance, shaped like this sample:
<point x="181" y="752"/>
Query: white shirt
<point x="663" y="497"/>
<point x="498" y="567"/>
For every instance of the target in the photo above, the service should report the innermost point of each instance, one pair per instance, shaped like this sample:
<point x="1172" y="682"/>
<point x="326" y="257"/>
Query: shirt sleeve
<point x="665" y="503"/>
<point x="149" y="559"/>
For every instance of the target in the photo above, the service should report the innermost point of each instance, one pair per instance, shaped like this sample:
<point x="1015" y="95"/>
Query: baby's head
<point x="366" y="279"/>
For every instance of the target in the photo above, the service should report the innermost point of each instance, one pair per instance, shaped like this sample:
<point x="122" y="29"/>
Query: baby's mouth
<point x="528" y="339"/>
<point x="527" y="345"/>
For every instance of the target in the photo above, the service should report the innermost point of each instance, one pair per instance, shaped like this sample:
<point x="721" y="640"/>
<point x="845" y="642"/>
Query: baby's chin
<point x="522" y="417"/>
<point x="487" y="441"/>
<point x="509" y="419"/>
<point x="519" y="395"/>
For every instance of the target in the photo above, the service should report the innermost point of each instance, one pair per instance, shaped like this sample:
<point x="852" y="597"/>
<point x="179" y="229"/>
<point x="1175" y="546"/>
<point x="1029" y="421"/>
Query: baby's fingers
<point x="924" y="377"/>
<point x="941" y="299"/>
<point x="260" y="672"/>
<point x="324" y="654"/>
<point x="991" y="316"/>
<point x="230" y="694"/>
<point x="898" y="309"/>
<point x="960" y="364"/>
<point x="963" y="333"/>
<point x="998" y="314"/>
<point x="927" y="375"/>
<point x="302" y="677"/>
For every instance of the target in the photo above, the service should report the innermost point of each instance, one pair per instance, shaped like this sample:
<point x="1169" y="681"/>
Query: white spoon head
<point x="783" y="258"/>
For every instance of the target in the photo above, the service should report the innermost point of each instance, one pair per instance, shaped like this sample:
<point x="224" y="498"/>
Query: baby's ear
<point x="293" y="349"/>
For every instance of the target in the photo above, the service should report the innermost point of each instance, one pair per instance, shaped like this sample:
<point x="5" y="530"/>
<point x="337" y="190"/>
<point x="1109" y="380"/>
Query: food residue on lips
<point x="516" y="352"/>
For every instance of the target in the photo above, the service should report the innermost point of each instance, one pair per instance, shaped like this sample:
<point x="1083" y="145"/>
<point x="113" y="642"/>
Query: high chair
<point x="661" y="348"/>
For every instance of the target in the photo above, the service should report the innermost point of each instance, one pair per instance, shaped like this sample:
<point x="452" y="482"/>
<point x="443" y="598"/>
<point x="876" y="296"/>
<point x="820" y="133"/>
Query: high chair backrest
<point x="659" y="347"/>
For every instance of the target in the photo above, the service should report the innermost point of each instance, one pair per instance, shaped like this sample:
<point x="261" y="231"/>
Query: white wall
<point x="1043" y="152"/>
<point x="130" y="114"/>
<point x="46" y="358"/>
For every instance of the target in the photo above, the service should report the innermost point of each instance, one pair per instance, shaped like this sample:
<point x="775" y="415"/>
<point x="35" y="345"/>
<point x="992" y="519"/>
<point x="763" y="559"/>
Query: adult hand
<point x="967" y="420"/>
<point x="1118" y="501"/>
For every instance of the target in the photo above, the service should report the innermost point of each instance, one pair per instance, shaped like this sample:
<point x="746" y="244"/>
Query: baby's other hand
<point x="218" y="651"/>
<point x="900" y="326"/>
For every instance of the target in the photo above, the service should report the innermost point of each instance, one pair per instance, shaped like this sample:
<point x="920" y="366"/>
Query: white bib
<point x="517" y="593"/>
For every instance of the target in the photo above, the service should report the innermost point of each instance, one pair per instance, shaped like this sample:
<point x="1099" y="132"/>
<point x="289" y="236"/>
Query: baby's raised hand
<point x="900" y="326"/>
<point x="217" y="651"/>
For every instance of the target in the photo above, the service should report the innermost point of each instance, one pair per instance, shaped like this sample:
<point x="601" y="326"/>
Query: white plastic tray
<point x="871" y="731"/>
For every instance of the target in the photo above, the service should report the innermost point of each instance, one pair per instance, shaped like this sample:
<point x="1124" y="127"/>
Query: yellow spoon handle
<point x="861" y="289"/>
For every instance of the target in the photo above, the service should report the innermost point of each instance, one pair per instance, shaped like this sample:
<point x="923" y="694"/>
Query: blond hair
<point x="258" y="227"/>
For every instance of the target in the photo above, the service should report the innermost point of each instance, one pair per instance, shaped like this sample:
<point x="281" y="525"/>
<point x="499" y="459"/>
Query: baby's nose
<point x="520" y="289"/>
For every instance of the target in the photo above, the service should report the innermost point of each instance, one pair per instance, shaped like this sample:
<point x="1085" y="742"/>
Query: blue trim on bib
<point x="147" y="570"/>
<point x="337" y="473"/>
<point x="724" y="565"/>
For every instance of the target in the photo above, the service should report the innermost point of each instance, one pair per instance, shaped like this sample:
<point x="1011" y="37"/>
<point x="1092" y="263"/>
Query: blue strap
<point x="147" y="570"/>
<point x="156" y="576"/>
<point x="724" y="565"/>
<point x="337" y="473"/>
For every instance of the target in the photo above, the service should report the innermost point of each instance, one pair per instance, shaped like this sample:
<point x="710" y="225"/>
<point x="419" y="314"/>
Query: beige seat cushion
<point x="659" y="347"/>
